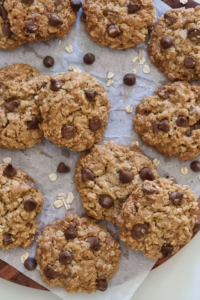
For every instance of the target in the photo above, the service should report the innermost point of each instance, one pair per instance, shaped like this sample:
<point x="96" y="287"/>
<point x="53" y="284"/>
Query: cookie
<point x="170" y="120"/>
<point x="107" y="176"/>
<point x="159" y="218"/>
<point x="77" y="254"/>
<point x="19" y="111"/>
<point x="39" y="20"/>
<point x="20" y="201"/>
<point x="174" y="44"/>
<point x="118" y="24"/>
<point x="75" y="109"/>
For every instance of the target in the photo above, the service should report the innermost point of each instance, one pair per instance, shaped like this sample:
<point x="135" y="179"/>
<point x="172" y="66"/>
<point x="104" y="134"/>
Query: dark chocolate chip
<point x="28" y="1"/>
<point x="169" y="18"/>
<point x="167" y="250"/>
<point x="89" y="58"/>
<point x="189" y="62"/>
<point x="56" y="85"/>
<point x="90" y="95"/>
<point x="48" y="61"/>
<point x="94" y="243"/>
<point x="71" y="232"/>
<point x="31" y="26"/>
<point x="95" y="124"/>
<point x="7" y="239"/>
<point x="176" y="198"/>
<point x="133" y="7"/>
<point x="50" y="273"/>
<point x="65" y="257"/>
<point x="125" y="176"/>
<point x="147" y="189"/>
<point x="162" y="93"/>
<point x="113" y="31"/>
<point x="129" y="79"/>
<point x="6" y="30"/>
<point x="195" y="166"/>
<point x="68" y="132"/>
<point x="76" y="4"/>
<point x="146" y="174"/>
<point x="3" y="13"/>
<point x="189" y="132"/>
<point x="33" y="124"/>
<point x="11" y="105"/>
<point x="9" y="171"/>
<point x="30" y="183"/>
<point x="30" y="264"/>
<point x="163" y="125"/>
<point x="106" y="201"/>
<point x="87" y="174"/>
<point x="196" y="226"/>
<point x="193" y="33"/>
<point x="166" y="42"/>
<point x="54" y="20"/>
<point x="182" y="121"/>
<point x="30" y="205"/>
<point x="139" y="231"/>
<point x="102" y="285"/>
<point x="63" y="168"/>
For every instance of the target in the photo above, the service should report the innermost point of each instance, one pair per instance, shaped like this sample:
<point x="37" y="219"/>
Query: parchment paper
<point x="134" y="266"/>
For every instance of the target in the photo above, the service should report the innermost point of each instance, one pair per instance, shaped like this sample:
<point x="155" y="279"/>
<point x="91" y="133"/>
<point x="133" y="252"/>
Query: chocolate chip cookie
<point x="118" y="24"/>
<point x="170" y="120"/>
<point x="174" y="44"/>
<point x="40" y="20"/>
<point x="20" y="201"/>
<point x="75" y="109"/>
<point x="159" y="218"/>
<point x="107" y="176"/>
<point x="77" y="254"/>
<point x="19" y="112"/>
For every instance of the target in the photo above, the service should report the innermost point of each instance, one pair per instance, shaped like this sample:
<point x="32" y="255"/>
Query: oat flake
<point x="53" y="177"/>
<point x="146" y="69"/>
<point x="135" y="59"/>
<point x="129" y="109"/>
<point x="110" y="75"/>
<point x="24" y="257"/>
<point x="58" y="203"/>
<point x="135" y="143"/>
<point x="69" y="49"/>
<point x="183" y="1"/>
<point x="7" y="160"/>
<point x="70" y="198"/>
<point x="134" y="71"/>
<point x="184" y="170"/>
<point x="156" y="162"/>
<point x="110" y="81"/>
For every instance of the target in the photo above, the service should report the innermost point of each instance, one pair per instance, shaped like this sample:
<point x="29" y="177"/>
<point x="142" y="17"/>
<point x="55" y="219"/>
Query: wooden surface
<point x="11" y="274"/>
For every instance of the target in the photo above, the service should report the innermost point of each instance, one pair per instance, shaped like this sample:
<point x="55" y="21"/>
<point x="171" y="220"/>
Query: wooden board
<point x="11" y="274"/>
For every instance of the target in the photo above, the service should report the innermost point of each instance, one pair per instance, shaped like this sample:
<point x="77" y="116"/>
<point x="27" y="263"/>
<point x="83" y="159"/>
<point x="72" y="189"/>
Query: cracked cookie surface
<point x="159" y="218"/>
<point x="118" y="24"/>
<point x="174" y="44"/>
<point x="75" y="109"/>
<point x="20" y="201"/>
<point x="108" y="175"/>
<point x="77" y="254"/>
<point x="170" y="120"/>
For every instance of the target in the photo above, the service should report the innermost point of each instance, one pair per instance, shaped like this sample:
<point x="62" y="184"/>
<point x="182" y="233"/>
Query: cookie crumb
<point x="7" y="160"/>
<point x="156" y="162"/>
<point x="69" y="49"/>
<point x="146" y="69"/>
<point x="24" y="257"/>
<point x="135" y="143"/>
<point x="53" y="177"/>
<point x="70" y="198"/>
<point x="134" y="71"/>
<point x="110" y="81"/>
<point x="135" y="59"/>
<point x="110" y="75"/>
<point x="58" y="203"/>
<point x="129" y="109"/>
<point x="184" y="170"/>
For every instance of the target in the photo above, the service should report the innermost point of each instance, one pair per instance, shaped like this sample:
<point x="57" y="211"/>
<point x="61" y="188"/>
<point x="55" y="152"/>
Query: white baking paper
<point x="134" y="266"/>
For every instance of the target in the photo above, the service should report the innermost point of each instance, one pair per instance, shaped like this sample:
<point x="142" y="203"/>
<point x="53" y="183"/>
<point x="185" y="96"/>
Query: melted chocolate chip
<point x="133" y="7"/>
<point x="139" y="231"/>
<point x="30" y="205"/>
<point x="113" y="31"/>
<point x="106" y="201"/>
<point x="125" y="176"/>
<point x="163" y="125"/>
<point x="196" y="226"/>
<point x="176" y="198"/>
<point x="33" y="124"/>
<point x="95" y="124"/>
<point x="48" y="61"/>
<point x="65" y="257"/>
<point x="167" y="250"/>
<point x="129" y="79"/>
<point x="169" y="18"/>
<point x="50" y="273"/>
<point x="102" y="285"/>
<point x="31" y="26"/>
<point x="7" y="239"/>
<point x="146" y="174"/>
<point x="182" y="121"/>
<point x="89" y="58"/>
<point x="195" y="166"/>
<point x="71" y="232"/>
<point x="189" y="62"/>
<point x="90" y="95"/>
<point x="30" y="264"/>
<point x="6" y="30"/>
<point x="3" y="13"/>
<point x="30" y="183"/>
<point x="93" y="242"/>
<point x="56" y="85"/>
<point x="9" y="171"/>
<point x="166" y="42"/>
<point x="193" y="33"/>
<point x="162" y="93"/>
<point x="63" y="168"/>
<point x="68" y="132"/>
<point x="11" y="105"/>
<point x="54" y="20"/>
<point x="76" y="4"/>
<point x="87" y="174"/>
<point x="189" y="132"/>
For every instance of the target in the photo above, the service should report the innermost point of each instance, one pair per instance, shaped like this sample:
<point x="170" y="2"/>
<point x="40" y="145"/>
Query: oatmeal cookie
<point x="75" y="109"/>
<point x="170" y="120"/>
<point x="108" y="175"/>
<point x="40" y="20"/>
<point x="77" y="254"/>
<point x="120" y="24"/>
<point x="174" y="44"/>
<point x="20" y="201"/>
<point x="159" y="218"/>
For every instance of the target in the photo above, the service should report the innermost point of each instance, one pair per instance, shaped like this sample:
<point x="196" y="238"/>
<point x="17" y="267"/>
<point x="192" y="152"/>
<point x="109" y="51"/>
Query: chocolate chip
<point x="146" y="174"/>
<point x="189" y="62"/>
<point x="30" y="205"/>
<point x="3" y="13"/>
<point x="163" y="125"/>
<point x="196" y="226"/>
<point x="65" y="257"/>
<point x="56" y="85"/>
<point x="133" y="7"/>
<point x="94" y="243"/>
<point x="182" y="121"/>
<point x="76" y="4"/>
<point x="6" y="30"/>
<point x="71" y="232"/>
<point x="30" y="183"/>
<point x="189" y="132"/>
<point x="166" y="42"/>
<point x="68" y="132"/>
<point x="48" y="61"/>
<point x="9" y="171"/>
<point x="89" y="58"/>
<point x="113" y="31"/>
<point x="54" y="20"/>
<point x="162" y="93"/>
<point x="139" y="231"/>
<point x="106" y="201"/>
<point x="7" y="239"/>
<point x="95" y="124"/>
<point x="129" y="79"/>
<point x="125" y="176"/>
<point x="11" y="105"/>
<point x="193" y="33"/>
<point x="31" y="26"/>
<point x="33" y="124"/>
<point x="87" y="174"/>
<point x="102" y="285"/>
<point x="147" y="189"/>
<point x="176" y="198"/>
<point x="90" y="95"/>
<point x="167" y="250"/>
<point x="50" y="273"/>
<point x="63" y="168"/>
<point x="43" y="86"/>
<point x="169" y="18"/>
<point x="30" y="264"/>
<point x="195" y="166"/>
<point x="28" y="1"/>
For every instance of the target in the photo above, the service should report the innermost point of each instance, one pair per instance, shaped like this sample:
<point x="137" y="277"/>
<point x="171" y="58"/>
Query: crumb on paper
<point x="58" y="203"/>
<point x="183" y="1"/>
<point x="24" y="257"/>
<point x="135" y="59"/>
<point x="134" y="71"/>
<point x="110" y="81"/>
<point x="135" y="143"/>
<point x="156" y="162"/>
<point x="146" y="69"/>
<point x="70" y="198"/>
<point x="110" y="75"/>
<point x="39" y="151"/>
<point x="7" y="160"/>
<point x="59" y="42"/>
<point x="69" y="49"/>
<point x="184" y="170"/>
<point x="53" y="177"/>
<point x="74" y="69"/>
<point x="129" y="109"/>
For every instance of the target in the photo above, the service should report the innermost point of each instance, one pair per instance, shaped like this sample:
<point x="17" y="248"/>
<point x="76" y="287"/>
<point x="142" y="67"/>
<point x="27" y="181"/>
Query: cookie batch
<point x="116" y="183"/>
